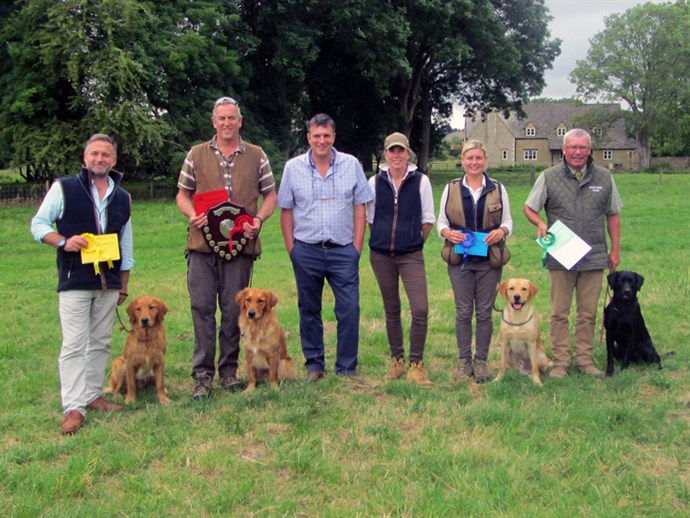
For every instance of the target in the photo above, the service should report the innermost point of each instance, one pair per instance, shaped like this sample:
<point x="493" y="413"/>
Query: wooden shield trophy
<point x="224" y="231"/>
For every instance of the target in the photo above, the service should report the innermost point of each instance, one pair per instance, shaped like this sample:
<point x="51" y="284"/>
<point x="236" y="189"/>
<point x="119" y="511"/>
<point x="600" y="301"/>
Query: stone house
<point x="537" y="139"/>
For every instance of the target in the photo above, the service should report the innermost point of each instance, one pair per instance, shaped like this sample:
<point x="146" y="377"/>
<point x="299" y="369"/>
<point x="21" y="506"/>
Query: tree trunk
<point x="643" y="148"/>
<point x="423" y="153"/>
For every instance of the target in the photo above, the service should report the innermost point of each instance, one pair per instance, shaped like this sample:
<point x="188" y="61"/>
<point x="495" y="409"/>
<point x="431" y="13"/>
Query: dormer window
<point x="530" y="131"/>
<point x="596" y="131"/>
<point x="561" y="130"/>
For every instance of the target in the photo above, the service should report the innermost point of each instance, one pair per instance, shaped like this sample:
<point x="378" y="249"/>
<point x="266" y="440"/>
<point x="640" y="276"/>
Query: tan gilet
<point x="245" y="187"/>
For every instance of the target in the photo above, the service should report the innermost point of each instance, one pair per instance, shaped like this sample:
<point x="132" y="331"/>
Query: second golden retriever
<point x="143" y="362"/>
<point x="262" y="338"/>
<point x="520" y="341"/>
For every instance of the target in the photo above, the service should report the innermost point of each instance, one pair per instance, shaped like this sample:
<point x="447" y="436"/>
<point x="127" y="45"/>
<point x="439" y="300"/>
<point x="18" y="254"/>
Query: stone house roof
<point x="547" y="117"/>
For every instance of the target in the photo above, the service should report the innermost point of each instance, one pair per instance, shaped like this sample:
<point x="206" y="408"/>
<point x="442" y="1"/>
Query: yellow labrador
<point x="520" y="341"/>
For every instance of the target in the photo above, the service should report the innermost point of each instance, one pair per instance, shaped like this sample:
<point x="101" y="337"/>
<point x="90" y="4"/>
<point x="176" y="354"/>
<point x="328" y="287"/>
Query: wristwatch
<point x="61" y="244"/>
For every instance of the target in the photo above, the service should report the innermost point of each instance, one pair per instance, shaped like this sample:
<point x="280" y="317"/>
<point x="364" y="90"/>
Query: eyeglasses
<point x="577" y="148"/>
<point x="225" y="100"/>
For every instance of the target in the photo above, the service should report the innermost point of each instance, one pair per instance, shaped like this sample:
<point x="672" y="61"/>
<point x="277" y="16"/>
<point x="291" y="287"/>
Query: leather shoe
<point x="315" y="375"/>
<point x="590" y="370"/>
<point x="558" y="372"/>
<point x="101" y="404"/>
<point x="72" y="422"/>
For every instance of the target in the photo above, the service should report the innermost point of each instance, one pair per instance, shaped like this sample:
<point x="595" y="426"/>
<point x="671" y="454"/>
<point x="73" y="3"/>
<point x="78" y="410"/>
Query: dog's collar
<point x="513" y="324"/>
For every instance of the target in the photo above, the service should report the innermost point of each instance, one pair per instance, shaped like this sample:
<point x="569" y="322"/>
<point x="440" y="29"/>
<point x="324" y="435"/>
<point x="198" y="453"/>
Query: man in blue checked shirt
<point x="322" y="198"/>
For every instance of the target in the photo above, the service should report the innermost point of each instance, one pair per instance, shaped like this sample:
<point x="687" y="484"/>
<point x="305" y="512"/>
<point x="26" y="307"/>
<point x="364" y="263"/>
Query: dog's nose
<point x="145" y="322"/>
<point x="251" y="313"/>
<point x="516" y="297"/>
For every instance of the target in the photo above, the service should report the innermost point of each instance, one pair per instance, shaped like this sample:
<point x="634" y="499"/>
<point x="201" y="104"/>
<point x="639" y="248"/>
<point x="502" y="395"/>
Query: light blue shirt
<point x="323" y="207"/>
<point x="52" y="208"/>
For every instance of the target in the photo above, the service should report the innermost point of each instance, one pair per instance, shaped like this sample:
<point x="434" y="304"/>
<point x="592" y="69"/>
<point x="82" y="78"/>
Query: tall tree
<point x="132" y="68"/>
<point x="484" y="54"/>
<point x="642" y="57"/>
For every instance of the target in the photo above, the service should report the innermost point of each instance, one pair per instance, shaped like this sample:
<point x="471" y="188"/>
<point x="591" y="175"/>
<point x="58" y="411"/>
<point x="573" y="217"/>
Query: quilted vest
<point x="582" y="207"/>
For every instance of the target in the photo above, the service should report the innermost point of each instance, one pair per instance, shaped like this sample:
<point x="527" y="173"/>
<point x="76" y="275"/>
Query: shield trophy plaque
<point x="224" y="231"/>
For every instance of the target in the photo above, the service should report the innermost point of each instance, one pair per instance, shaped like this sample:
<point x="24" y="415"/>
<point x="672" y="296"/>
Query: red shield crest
<point x="224" y="231"/>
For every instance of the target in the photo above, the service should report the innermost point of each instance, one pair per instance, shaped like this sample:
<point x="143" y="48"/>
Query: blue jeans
<point x="339" y="265"/>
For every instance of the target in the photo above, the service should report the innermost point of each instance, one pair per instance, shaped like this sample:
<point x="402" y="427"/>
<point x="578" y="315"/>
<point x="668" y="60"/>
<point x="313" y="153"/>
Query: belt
<point x="322" y="244"/>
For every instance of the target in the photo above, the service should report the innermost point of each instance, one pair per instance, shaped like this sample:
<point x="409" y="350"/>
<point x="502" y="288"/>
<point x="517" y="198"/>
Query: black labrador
<point x="624" y="324"/>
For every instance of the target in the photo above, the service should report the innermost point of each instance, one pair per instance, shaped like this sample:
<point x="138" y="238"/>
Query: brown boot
<point x="590" y="370"/>
<point x="463" y="371"/>
<point x="481" y="371"/>
<point x="559" y="372"/>
<point x="396" y="369"/>
<point x="417" y="375"/>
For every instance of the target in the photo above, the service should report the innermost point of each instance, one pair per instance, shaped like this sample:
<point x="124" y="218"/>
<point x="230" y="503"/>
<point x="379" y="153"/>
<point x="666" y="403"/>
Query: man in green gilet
<point x="584" y="197"/>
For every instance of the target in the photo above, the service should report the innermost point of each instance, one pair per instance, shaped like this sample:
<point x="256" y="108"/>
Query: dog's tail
<point x="286" y="369"/>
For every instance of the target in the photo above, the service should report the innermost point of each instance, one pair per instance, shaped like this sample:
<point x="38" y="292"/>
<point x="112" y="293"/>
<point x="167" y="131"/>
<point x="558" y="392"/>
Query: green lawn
<point x="579" y="446"/>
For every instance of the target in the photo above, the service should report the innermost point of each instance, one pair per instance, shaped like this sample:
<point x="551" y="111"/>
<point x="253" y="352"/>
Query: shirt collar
<point x="241" y="147"/>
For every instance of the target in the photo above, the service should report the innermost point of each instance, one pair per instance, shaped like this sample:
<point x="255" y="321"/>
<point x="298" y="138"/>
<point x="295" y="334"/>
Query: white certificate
<point x="568" y="247"/>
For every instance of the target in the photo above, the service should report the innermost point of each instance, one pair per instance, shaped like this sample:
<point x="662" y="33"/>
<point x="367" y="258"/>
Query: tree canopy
<point x="642" y="58"/>
<point x="147" y="72"/>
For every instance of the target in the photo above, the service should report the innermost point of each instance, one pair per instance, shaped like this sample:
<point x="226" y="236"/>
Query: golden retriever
<point x="262" y="338"/>
<point x="520" y="341"/>
<point x="143" y="362"/>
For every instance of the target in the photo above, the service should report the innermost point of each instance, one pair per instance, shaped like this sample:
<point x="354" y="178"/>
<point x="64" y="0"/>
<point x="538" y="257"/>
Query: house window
<point x="504" y="154"/>
<point x="596" y="131"/>
<point x="560" y="131"/>
<point x="530" y="154"/>
<point x="608" y="154"/>
<point x="530" y="131"/>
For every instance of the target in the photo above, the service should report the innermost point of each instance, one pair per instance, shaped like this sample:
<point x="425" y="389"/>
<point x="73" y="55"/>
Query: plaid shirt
<point x="187" y="178"/>
<point x="323" y="207"/>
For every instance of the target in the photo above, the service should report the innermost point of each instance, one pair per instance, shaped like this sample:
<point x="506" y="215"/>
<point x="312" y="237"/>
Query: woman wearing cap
<point x="400" y="218"/>
<point x="473" y="203"/>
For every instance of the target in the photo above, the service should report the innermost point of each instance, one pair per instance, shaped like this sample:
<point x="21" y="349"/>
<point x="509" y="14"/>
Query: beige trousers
<point x="587" y="287"/>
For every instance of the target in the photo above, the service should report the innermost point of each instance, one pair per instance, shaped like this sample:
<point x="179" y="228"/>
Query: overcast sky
<point x="574" y="22"/>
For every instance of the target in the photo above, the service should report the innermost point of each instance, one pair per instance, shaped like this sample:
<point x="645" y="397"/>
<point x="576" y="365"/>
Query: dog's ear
<point x="532" y="290"/>
<point x="503" y="288"/>
<point x="272" y="299"/>
<point x="611" y="279"/>
<point x="239" y="298"/>
<point x="639" y="280"/>
<point x="131" y="311"/>
<point x="162" y="310"/>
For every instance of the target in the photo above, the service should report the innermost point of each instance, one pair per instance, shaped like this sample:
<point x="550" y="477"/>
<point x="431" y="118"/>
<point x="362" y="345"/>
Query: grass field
<point x="578" y="446"/>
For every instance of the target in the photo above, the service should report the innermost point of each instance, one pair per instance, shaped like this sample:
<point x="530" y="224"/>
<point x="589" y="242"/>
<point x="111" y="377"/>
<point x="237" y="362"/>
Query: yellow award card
<point x="102" y="248"/>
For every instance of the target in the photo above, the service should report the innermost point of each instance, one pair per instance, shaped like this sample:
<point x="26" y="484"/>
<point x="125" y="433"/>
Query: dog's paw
<point x="250" y="387"/>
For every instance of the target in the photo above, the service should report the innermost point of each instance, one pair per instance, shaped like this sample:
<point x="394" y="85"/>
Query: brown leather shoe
<point x="590" y="370"/>
<point x="315" y="375"/>
<point x="558" y="372"/>
<point x="101" y="404"/>
<point x="72" y="422"/>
